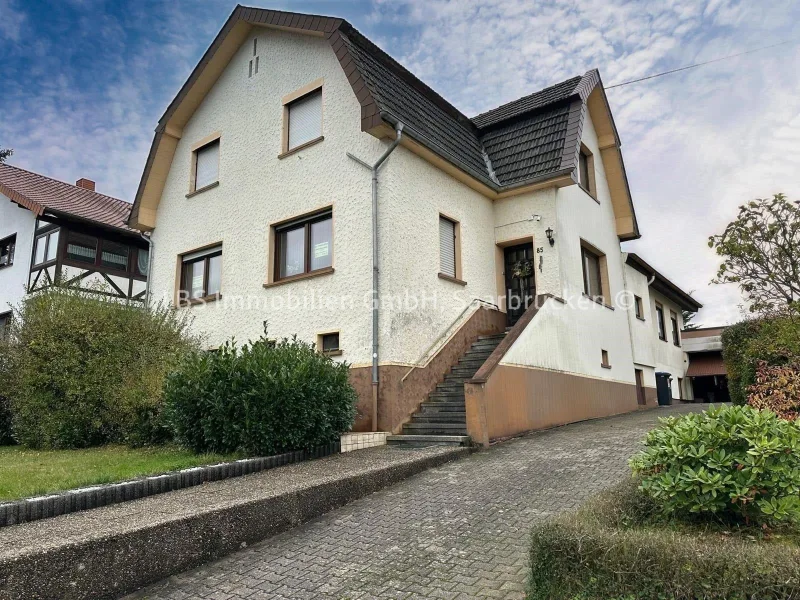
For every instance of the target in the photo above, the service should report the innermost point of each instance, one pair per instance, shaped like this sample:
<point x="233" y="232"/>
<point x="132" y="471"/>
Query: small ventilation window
<point x="329" y="343"/>
<point x="604" y="358"/>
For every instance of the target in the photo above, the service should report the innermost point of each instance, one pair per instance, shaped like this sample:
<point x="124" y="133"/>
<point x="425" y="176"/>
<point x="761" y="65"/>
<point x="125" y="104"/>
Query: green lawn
<point x="25" y="472"/>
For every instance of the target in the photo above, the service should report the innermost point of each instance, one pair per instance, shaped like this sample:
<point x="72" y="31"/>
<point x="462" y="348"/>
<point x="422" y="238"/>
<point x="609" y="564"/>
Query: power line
<point x="700" y="64"/>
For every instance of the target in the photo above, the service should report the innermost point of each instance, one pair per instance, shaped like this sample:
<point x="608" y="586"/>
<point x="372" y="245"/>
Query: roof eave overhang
<point x="22" y="200"/>
<point x="663" y="285"/>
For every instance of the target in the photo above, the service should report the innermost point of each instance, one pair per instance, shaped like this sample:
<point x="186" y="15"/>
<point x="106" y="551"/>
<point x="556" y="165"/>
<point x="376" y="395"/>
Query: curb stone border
<point x="70" y="501"/>
<point x="116" y="563"/>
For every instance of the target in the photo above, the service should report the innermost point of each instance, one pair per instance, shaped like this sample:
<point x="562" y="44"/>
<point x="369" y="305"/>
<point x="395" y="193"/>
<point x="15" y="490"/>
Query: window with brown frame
<point x="45" y="247"/>
<point x="206" y="166"/>
<point x="639" y="307"/>
<point x="592" y="277"/>
<point x="7" y="246"/>
<point x="201" y="275"/>
<point x="304" y="119"/>
<point x="586" y="170"/>
<point x="676" y="336"/>
<point x="662" y="330"/>
<point x="304" y="246"/>
<point x="328" y="343"/>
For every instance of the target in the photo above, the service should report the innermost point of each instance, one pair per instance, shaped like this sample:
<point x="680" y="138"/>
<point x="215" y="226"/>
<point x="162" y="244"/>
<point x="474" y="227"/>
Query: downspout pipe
<point x="151" y="246"/>
<point x="375" y="296"/>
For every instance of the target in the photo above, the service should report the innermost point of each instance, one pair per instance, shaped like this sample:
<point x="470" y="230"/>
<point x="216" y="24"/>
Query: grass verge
<point x="25" y="472"/>
<point x="619" y="547"/>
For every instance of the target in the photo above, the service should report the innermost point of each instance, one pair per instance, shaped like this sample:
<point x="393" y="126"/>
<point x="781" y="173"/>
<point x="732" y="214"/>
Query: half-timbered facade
<point x="53" y="231"/>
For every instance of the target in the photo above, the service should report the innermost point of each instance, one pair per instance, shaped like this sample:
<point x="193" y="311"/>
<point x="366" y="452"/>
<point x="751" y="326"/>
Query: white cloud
<point x="11" y="21"/>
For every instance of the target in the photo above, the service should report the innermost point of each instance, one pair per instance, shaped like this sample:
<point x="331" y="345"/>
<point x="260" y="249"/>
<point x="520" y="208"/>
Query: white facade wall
<point x="257" y="189"/>
<point x="669" y="357"/>
<point x="412" y="195"/>
<point x="570" y="337"/>
<point x="14" y="279"/>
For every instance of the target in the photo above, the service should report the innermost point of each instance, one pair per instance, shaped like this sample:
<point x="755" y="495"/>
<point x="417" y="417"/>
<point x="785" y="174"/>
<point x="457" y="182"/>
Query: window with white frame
<point x="45" y="247"/>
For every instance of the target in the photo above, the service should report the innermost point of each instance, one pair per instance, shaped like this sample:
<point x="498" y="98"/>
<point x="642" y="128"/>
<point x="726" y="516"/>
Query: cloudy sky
<point x="84" y="82"/>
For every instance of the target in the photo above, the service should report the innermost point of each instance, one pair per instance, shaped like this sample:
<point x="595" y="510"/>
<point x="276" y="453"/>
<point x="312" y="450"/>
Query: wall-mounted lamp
<point x="549" y="233"/>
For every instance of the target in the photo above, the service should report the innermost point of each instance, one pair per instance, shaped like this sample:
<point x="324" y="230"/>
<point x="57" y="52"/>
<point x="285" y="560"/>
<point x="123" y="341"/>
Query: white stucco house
<point x="491" y="244"/>
<point x="51" y="230"/>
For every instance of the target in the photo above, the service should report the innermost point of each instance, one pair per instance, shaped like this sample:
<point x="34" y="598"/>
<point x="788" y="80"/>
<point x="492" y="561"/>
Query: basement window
<point x="328" y="343"/>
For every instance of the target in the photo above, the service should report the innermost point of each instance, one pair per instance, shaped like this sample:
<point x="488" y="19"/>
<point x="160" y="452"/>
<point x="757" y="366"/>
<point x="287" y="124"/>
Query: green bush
<point x="733" y="462"/>
<point x="262" y="398"/>
<point x="620" y="547"/>
<point x="773" y="340"/>
<point x="86" y="369"/>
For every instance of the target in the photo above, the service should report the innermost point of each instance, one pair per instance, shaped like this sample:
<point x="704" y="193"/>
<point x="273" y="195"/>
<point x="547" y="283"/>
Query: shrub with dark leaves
<point x="262" y="398"/>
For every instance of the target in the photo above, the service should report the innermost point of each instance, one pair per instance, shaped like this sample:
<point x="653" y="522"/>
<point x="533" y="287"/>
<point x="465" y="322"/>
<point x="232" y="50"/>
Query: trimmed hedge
<point x="773" y="340"/>
<point x="618" y="546"/>
<point x="6" y="438"/>
<point x="83" y="369"/>
<point x="263" y="398"/>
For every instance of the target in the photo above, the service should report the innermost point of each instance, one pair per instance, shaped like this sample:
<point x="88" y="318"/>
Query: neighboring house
<point x="707" y="372"/>
<point x="261" y="209"/>
<point x="52" y="230"/>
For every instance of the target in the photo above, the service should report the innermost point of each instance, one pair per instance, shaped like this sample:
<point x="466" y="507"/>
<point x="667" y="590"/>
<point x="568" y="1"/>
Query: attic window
<point x="305" y="119"/>
<point x="205" y="164"/>
<point x="586" y="171"/>
<point x="254" y="60"/>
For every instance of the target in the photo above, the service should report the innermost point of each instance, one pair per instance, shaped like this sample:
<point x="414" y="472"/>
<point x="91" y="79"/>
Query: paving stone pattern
<point x="458" y="531"/>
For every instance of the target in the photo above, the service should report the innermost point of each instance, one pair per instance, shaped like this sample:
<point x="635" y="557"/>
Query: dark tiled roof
<point x="39" y="194"/>
<point x="412" y="102"/>
<point x="528" y="147"/>
<point x="549" y="95"/>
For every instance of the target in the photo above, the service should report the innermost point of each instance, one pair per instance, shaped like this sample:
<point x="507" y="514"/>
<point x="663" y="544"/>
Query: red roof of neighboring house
<point x="703" y="365"/>
<point x="41" y="194"/>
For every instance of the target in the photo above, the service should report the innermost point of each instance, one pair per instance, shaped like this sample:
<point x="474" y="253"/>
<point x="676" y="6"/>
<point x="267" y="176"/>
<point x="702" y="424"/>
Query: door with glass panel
<point x="520" y="283"/>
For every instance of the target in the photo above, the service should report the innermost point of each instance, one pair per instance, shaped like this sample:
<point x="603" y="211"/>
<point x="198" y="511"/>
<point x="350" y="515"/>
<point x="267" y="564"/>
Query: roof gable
<point x="533" y="141"/>
<point x="41" y="194"/>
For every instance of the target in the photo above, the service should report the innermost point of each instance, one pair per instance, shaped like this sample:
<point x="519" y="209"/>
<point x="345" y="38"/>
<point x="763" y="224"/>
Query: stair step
<point x="435" y="428"/>
<point x="470" y="364"/>
<point x="443" y="407"/>
<point x="422" y="441"/>
<point x="440" y="417"/>
<point x="494" y="336"/>
<point x="439" y="398"/>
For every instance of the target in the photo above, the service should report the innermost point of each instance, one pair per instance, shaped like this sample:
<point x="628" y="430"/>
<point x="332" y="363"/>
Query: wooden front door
<point x="640" y="396"/>
<point x="520" y="281"/>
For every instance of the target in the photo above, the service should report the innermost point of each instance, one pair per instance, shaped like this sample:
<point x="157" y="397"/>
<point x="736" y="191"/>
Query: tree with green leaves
<point x="760" y="252"/>
<point x="688" y="317"/>
<point x="5" y="153"/>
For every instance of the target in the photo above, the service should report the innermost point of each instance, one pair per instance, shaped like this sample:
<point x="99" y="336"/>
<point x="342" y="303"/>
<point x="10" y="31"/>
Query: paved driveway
<point x="458" y="531"/>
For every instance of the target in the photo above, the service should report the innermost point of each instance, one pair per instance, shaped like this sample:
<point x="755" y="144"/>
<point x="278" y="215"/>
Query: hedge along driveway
<point x="25" y="473"/>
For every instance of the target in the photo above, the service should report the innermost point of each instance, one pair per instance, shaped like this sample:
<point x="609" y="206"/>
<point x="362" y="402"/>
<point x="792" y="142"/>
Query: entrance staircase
<point x="442" y="418"/>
